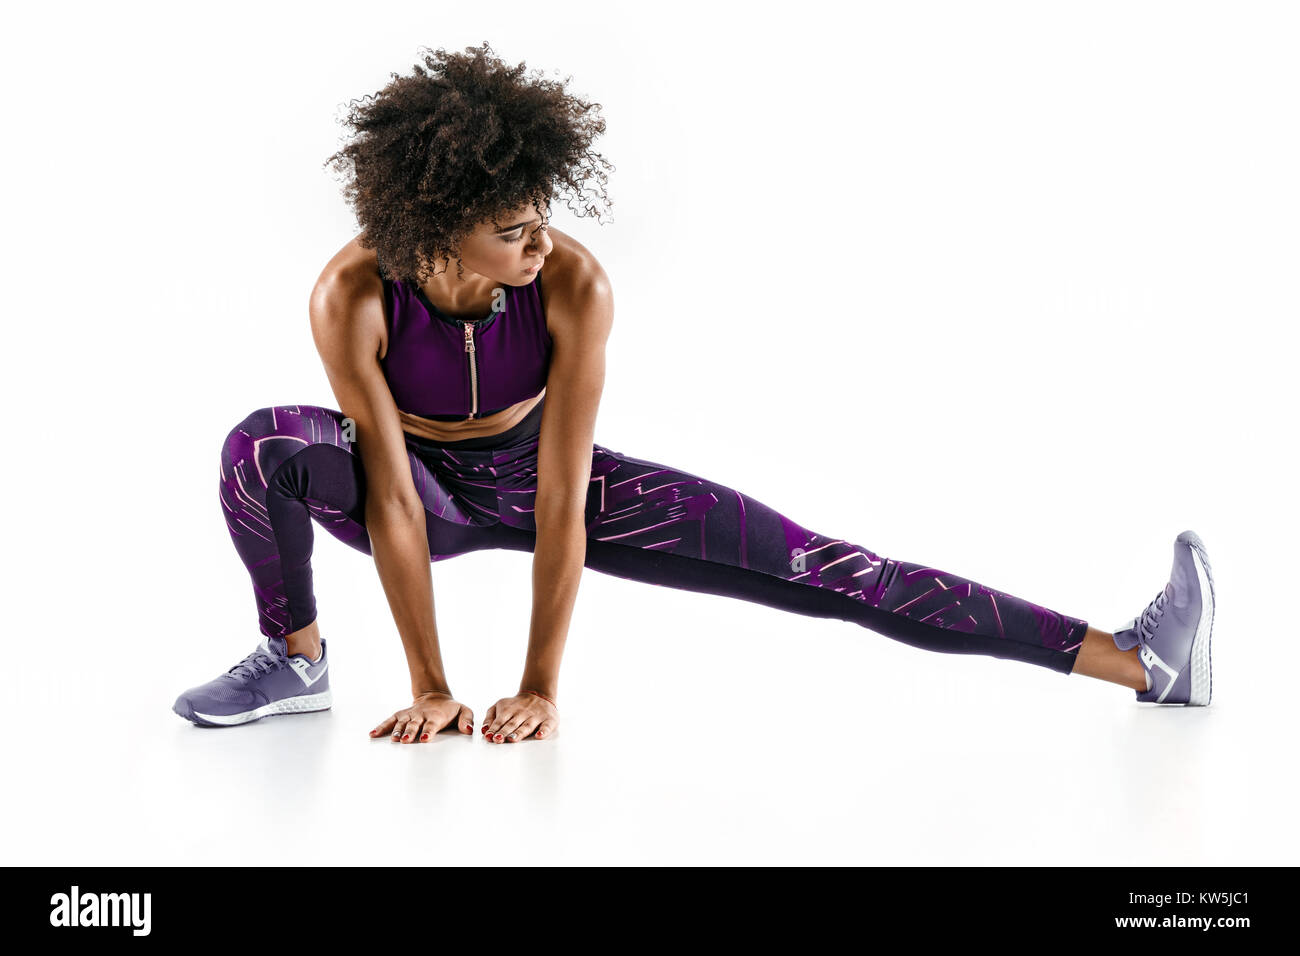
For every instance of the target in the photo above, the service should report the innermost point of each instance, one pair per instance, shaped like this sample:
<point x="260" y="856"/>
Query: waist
<point x="526" y="427"/>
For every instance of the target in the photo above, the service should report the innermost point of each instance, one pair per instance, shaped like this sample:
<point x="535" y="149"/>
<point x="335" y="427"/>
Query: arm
<point x="350" y="332"/>
<point x="579" y="314"/>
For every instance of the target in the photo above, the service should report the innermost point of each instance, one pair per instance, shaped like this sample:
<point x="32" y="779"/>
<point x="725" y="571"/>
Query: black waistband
<point x="530" y="425"/>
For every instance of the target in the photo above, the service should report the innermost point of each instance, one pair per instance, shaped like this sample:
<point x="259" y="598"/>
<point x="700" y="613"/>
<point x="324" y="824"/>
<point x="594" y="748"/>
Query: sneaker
<point x="1174" y="630"/>
<point x="266" y="682"/>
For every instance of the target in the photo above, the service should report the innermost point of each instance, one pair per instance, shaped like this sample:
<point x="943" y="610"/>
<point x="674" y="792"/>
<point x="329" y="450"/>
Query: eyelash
<point x="543" y="227"/>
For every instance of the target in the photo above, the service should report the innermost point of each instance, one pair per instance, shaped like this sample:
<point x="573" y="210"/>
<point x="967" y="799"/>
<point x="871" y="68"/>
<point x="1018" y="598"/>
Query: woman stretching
<point x="467" y="408"/>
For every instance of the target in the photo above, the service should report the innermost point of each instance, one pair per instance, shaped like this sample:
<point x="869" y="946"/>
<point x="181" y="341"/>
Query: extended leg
<point x="652" y="523"/>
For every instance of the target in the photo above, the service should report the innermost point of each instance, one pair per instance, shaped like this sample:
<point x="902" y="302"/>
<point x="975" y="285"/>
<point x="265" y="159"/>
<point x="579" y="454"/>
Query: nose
<point x="541" y="244"/>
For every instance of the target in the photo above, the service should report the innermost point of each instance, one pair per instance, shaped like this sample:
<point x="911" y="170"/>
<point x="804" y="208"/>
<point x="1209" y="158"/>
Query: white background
<point x="1004" y="288"/>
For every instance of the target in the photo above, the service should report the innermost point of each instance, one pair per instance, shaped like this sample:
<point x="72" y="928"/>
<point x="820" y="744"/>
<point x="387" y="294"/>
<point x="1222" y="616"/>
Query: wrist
<point x="427" y="689"/>
<point x="546" y="694"/>
<point x="543" y="679"/>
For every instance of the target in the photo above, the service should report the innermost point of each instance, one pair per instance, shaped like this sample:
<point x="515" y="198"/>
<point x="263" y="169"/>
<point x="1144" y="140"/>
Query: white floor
<point x="788" y="740"/>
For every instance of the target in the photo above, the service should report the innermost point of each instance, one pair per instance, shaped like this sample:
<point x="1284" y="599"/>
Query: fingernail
<point x="424" y="736"/>
<point x="406" y="736"/>
<point x="498" y="737"/>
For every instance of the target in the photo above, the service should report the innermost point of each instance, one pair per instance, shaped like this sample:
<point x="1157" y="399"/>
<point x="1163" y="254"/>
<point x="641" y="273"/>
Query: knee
<point x="239" y="440"/>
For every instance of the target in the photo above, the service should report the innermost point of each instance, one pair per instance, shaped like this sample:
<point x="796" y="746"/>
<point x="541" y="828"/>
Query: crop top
<point x="451" y="369"/>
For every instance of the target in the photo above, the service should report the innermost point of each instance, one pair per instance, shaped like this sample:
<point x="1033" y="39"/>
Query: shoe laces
<point x="259" y="662"/>
<point x="1140" y="630"/>
<point x="1147" y="623"/>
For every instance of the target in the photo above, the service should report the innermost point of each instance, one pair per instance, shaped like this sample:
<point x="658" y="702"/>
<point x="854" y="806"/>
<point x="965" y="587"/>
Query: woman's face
<point x="509" y="251"/>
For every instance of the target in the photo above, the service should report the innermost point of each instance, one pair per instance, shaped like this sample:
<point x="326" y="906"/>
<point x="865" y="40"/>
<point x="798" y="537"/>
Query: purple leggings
<point x="281" y="467"/>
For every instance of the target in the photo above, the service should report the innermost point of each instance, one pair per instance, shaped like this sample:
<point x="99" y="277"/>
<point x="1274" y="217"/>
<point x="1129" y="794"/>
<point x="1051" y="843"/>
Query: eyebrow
<point x="517" y="225"/>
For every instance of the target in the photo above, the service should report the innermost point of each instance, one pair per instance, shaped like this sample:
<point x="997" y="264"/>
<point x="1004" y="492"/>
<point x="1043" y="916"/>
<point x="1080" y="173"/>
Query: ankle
<point x="312" y="654"/>
<point x="1099" y="657"/>
<point x="305" y="641"/>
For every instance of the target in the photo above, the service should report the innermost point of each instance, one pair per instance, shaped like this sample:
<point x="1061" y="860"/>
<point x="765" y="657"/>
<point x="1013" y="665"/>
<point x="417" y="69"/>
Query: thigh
<point x="301" y="453"/>
<point x="646" y="504"/>
<point x="649" y="506"/>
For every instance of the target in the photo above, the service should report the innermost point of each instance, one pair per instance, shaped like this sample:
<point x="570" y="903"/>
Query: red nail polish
<point x="406" y="736"/>
<point x="424" y="736"/>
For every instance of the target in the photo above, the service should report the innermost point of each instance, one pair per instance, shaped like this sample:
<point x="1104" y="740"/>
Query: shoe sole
<point x="1202" y="673"/>
<point x="303" y="704"/>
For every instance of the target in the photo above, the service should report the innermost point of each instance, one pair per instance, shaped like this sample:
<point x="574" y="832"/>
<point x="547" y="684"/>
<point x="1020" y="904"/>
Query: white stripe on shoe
<point x="301" y="667"/>
<point x="1151" y="659"/>
<point x="290" y="705"/>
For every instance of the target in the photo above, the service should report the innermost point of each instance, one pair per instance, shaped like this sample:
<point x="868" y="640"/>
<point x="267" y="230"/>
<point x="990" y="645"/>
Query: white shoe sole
<point x="1202" y="679"/>
<point x="290" y="705"/>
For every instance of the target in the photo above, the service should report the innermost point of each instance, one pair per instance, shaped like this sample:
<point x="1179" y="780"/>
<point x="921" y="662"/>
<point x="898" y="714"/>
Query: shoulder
<point x="346" y="305"/>
<point x="577" y="296"/>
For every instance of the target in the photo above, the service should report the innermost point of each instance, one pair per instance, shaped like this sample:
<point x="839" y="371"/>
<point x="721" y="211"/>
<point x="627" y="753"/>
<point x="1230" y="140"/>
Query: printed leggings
<point x="285" y="466"/>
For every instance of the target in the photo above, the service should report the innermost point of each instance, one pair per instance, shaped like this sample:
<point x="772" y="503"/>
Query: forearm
<point x="558" y="559"/>
<point x="400" y="546"/>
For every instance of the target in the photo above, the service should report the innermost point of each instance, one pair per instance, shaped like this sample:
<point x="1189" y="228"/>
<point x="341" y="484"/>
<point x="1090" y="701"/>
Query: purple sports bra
<point x="451" y="369"/>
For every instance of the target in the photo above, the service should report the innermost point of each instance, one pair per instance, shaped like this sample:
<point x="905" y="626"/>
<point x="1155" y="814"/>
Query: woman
<point x="467" y="408"/>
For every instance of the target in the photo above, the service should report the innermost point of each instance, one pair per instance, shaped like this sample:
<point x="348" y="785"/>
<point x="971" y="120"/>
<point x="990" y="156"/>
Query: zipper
<point x="473" y="371"/>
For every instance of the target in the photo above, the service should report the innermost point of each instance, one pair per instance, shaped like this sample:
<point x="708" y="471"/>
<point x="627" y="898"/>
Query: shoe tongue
<point x="277" y="646"/>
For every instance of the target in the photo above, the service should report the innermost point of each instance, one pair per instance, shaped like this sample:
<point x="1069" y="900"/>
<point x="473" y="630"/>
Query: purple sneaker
<point x="1174" y="630"/>
<point x="267" y="681"/>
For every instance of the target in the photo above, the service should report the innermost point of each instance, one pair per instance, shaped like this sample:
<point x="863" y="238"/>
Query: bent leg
<point x="283" y="467"/>
<point x="649" y="522"/>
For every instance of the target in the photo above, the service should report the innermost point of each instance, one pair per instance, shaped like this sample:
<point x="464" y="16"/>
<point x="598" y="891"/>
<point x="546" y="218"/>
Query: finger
<point x="419" y="724"/>
<point x="524" y="730"/>
<point x="403" y="727"/>
<point x="465" y="721"/>
<point x="504" y="718"/>
<point x="489" y="717"/>
<point x="511" y="729"/>
<point x="424" y="729"/>
<point x="398" y="722"/>
<point x="383" y="728"/>
<point x="548" y="728"/>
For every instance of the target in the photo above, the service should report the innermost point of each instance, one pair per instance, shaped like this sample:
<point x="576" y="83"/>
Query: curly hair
<point x="469" y="139"/>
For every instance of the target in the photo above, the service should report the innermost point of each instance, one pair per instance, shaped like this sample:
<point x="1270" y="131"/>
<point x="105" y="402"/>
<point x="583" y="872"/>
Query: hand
<point x="513" y="719"/>
<point x="428" y="714"/>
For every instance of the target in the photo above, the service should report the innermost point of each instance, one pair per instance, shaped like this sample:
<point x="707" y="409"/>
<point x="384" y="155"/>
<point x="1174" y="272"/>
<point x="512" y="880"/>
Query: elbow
<point x="560" y="509"/>
<point x="394" y="505"/>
